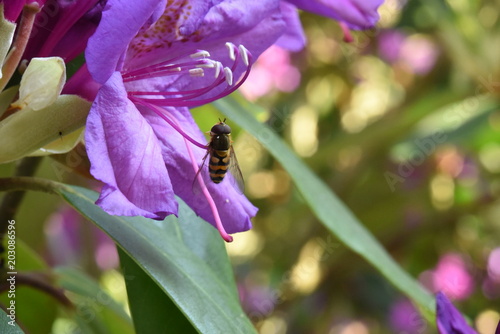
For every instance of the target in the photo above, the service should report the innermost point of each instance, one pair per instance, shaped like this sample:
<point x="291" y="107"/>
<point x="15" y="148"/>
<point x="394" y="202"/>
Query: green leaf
<point x="165" y="252"/>
<point x="149" y="305"/>
<point x="96" y="310"/>
<point x="461" y="123"/>
<point x="5" y="328"/>
<point x="325" y="204"/>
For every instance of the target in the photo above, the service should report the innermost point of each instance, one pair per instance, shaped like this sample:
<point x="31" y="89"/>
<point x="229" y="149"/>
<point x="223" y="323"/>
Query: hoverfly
<point x="222" y="157"/>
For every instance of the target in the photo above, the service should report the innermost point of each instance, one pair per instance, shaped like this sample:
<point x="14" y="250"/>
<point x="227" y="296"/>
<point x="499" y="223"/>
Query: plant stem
<point x="11" y="201"/>
<point x="20" y="42"/>
<point x="38" y="281"/>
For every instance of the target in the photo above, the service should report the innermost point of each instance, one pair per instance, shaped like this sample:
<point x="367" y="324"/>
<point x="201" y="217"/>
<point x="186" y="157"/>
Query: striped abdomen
<point x="218" y="165"/>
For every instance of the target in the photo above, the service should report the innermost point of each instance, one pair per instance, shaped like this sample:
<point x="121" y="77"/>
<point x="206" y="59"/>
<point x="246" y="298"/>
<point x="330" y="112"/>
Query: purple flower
<point x="356" y="14"/>
<point x="153" y="62"/>
<point x="449" y="320"/>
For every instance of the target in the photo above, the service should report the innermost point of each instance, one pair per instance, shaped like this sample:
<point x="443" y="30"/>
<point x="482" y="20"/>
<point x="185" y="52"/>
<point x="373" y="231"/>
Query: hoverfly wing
<point x="195" y="187"/>
<point x="235" y="172"/>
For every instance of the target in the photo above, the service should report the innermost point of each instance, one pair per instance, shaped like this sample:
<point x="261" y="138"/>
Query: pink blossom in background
<point x="389" y="45"/>
<point x="272" y="71"/>
<point x="62" y="231"/>
<point x="105" y="254"/>
<point x="491" y="283"/>
<point x="65" y="241"/>
<point x="405" y="318"/>
<point x="417" y="53"/>
<point x="258" y="301"/>
<point x="451" y="277"/>
<point x="494" y="265"/>
<point x="491" y="288"/>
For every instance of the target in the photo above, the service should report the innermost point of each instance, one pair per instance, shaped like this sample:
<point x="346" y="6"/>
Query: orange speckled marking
<point x="165" y="31"/>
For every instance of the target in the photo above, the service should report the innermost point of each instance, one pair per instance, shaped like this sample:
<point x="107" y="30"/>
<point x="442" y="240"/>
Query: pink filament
<point x="170" y="120"/>
<point x="184" y="98"/>
<point x="210" y="200"/>
<point x="213" y="207"/>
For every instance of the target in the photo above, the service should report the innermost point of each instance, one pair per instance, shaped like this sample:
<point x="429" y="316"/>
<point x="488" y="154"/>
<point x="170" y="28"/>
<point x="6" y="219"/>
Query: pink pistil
<point x="170" y="119"/>
<point x="210" y="200"/>
<point x="347" y="32"/>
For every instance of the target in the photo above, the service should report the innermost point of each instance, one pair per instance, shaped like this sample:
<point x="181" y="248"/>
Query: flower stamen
<point x="230" y="47"/>
<point x="229" y="76"/>
<point x="194" y="67"/>
<point x="196" y="72"/>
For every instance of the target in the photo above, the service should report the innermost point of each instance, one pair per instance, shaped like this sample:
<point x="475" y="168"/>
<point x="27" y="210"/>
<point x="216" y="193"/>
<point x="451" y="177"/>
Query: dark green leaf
<point x="5" y="327"/>
<point x="192" y="283"/>
<point x="153" y="311"/>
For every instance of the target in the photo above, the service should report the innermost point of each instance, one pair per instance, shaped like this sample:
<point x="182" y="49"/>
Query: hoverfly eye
<point x="221" y="129"/>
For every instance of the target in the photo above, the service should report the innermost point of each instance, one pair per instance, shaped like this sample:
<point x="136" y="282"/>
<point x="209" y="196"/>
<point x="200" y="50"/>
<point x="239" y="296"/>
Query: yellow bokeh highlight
<point x="304" y="131"/>
<point x="487" y="321"/>
<point x="306" y="273"/>
<point x="442" y="191"/>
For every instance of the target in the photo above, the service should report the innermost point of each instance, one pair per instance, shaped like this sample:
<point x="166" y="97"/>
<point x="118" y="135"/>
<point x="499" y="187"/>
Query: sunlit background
<point x="403" y="124"/>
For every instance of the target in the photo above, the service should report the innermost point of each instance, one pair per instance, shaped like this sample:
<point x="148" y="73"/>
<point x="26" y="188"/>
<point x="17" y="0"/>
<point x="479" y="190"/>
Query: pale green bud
<point x="42" y="83"/>
<point x="28" y="130"/>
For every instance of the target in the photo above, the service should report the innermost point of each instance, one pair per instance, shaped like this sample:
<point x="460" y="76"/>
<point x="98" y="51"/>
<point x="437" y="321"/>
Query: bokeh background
<point x="403" y="124"/>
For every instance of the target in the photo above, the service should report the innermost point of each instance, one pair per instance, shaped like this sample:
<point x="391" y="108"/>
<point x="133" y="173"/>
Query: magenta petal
<point x="126" y="156"/>
<point x="121" y="21"/>
<point x="234" y="209"/>
<point x="357" y="14"/>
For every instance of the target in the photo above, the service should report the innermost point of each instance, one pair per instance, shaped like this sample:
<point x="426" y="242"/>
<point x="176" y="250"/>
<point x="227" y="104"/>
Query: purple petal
<point x="294" y="38"/>
<point x="357" y="14"/>
<point x="235" y="210"/>
<point x="121" y="21"/>
<point x="256" y="26"/>
<point x="126" y="156"/>
<point x="449" y="320"/>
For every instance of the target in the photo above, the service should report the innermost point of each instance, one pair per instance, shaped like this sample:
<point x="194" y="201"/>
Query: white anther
<point x="196" y="72"/>
<point x="218" y="68"/>
<point x="208" y="64"/>
<point x="229" y="76"/>
<point x="230" y="47"/>
<point x="175" y="69"/>
<point x="244" y="54"/>
<point x="227" y="200"/>
<point x="200" y="54"/>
